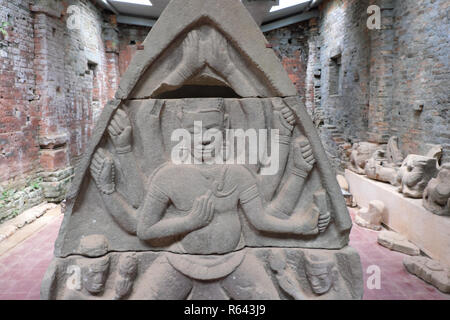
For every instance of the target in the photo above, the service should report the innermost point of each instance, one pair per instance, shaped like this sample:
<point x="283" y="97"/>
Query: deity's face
<point x="206" y="129"/>
<point x="321" y="280"/>
<point x="94" y="277"/>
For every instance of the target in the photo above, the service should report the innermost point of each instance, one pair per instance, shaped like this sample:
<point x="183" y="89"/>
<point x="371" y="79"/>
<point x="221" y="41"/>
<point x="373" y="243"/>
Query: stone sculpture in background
<point x="151" y="216"/>
<point x="396" y="242"/>
<point x="430" y="271"/>
<point x="385" y="163"/>
<point x="361" y="152"/>
<point x="414" y="174"/>
<point x="434" y="151"/>
<point x="394" y="155"/>
<point x="372" y="216"/>
<point x="436" y="196"/>
<point x="378" y="168"/>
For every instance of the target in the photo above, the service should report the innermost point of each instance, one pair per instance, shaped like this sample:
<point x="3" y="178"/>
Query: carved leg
<point x="162" y="282"/>
<point x="250" y="281"/>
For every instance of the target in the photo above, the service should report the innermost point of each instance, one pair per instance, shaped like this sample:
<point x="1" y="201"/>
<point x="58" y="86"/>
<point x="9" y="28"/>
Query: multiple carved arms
<point x="264" y="220"/>
<point x="211" y="51"/>
<point x="153" y="226"/>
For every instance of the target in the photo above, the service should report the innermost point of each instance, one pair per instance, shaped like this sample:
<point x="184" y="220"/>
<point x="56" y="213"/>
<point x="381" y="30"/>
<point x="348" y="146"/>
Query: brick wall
<point x="420" y="110"/>
<point x="130" y="37"/>
<point x="19" y="147"/>
<point x="291" y="46"/>
<point x="357" y="84"/>
<point x="344" y="57"/>
<point x="54" y="80"/>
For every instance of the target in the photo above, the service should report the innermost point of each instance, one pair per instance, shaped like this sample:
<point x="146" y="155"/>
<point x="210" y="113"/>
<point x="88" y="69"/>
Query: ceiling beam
<point x="144" y="22"/>
<point x="304" y="16"/>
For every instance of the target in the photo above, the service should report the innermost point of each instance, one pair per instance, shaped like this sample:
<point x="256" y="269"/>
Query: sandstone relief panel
<point x="195" y="184"/>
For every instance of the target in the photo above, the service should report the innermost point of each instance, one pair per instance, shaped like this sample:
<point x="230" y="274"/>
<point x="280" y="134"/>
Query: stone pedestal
<point x="248" y="274"/>
<point x="406" y="216"/>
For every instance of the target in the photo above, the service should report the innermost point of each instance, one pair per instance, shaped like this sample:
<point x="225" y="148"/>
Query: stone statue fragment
<point x="361" y="152"/>
<point x="396" y="242"/>
<point x="430" y="271"/>
<point x="372" y="216"/>
<point x="414" y="174"/>
<point x="436" y="196"/>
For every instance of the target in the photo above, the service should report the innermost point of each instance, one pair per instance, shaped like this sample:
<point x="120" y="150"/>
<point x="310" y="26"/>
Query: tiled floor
<point x="22" y="269"/>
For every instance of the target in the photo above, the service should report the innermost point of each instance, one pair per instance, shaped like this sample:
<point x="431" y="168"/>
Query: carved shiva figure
<point x="204" y="230"/>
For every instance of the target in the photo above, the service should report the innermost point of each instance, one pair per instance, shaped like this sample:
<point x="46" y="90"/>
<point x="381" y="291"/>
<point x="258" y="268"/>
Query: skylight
<point x="139" y="2"/>
<point x="287" y="3"/>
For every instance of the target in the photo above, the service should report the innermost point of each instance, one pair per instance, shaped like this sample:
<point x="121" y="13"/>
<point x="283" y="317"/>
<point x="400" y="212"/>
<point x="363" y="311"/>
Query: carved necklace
<point x="218" y="184"/>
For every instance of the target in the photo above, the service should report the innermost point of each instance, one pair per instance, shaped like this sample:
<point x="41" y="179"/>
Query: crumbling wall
<point x="421" y="76"/>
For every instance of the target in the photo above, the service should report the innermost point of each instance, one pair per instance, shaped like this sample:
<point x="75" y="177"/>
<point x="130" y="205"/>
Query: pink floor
<point x="22" y="269"/>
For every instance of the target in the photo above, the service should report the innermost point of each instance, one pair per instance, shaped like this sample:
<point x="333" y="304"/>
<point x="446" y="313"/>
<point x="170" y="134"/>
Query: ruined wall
<point x="291" y="46"/>
<point x="420" y="110"/>
<point x="344" y="76"/>
<point x="56" y="75"/>
<point x="130" y="40"/>
<point x="19" y="147"/>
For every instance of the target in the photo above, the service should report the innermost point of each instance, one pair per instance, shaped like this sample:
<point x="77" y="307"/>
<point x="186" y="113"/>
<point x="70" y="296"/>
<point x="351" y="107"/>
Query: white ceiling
<point x="127" y="8"/>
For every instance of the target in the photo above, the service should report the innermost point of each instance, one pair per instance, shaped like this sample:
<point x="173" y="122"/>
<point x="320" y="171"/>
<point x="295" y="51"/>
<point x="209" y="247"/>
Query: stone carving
<point x="361" y="152"/>
<point x="393" y="153"/>
<point x="127" y="273"/>
<point x="372" y="216"/>
<point x="322" y="275"/>
<point x="342" y="182"/>
<point x="378" y="168"/>
<point x="397" y="242"/>
<point x="301" y="274"/>
<point x="414" y="175"/>
<point x="434" y="151"/>
<point x="178" y="204"/>
<point x="430" y="271"/>
<point x="436" y="196"/>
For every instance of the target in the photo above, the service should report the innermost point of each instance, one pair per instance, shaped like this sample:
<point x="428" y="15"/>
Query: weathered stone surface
<point x="406" y="216"/>
<point x="28" y="216"/>
<point x="250" y="274"/>
<point x="393" y="153"/>
<point x="436" y="196"/>
<point x="430" y="271"/>
<point x="56" y="184"/>
<point x="396" y="242"/>
<point x="259" y="9"/>
<point x="379" y="168"/>
<point x="434" y="151"/>
<point x="414" y="175"/>
<point x="342" y="182"/>
<point x="361" y="152"/>
<point x="146" y="195"/>
<point x="372" y="216"/>
<point x="229" y="34"/>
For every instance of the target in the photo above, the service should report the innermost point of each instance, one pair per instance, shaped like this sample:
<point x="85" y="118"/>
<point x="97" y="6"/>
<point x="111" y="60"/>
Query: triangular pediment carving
<point x="212" y="50"/>
<point x="203" y="56"/>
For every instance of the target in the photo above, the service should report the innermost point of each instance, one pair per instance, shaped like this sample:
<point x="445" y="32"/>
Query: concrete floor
<point x="22" y="268"/>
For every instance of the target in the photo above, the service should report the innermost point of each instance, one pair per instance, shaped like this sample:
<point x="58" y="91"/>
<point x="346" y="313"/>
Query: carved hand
<point x="202" y="212"/>
<point x="284" y="121"/>
<point x="217" y="55"/>
<point x="102" y="170"/>
<point x="324" y="221"/>
<point x="190" y="62"/>
<point x="120" y="132"/>
<point x="303" y="156"/>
